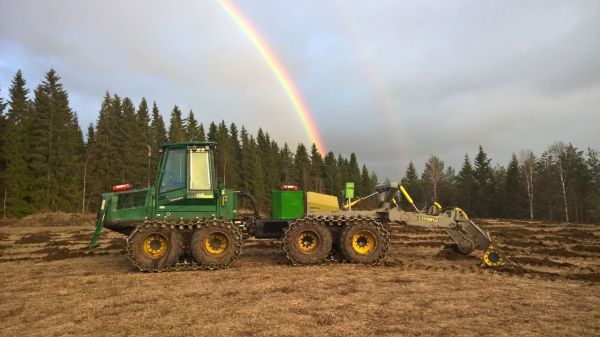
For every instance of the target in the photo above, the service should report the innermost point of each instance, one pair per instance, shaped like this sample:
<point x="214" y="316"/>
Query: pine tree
<point x="15" y="151"/>
<point x="176" y="128"/>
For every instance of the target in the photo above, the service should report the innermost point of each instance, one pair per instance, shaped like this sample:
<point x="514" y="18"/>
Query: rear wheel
<point x="154" y="247"/>
<point x="307" y="242"/>
<point x="217" y="245"/>
<point x="364" y="242"/>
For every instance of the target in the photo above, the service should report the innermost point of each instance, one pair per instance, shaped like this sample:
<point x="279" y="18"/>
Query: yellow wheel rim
<point x="307" y="241"/>
<point x="155" y="245"/>
<point x="492" y="258"/>
<point x="216" y="243"/>
<point x="363" y="242"/>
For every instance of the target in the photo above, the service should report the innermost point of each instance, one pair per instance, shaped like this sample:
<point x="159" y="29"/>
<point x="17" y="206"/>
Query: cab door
<point x="185" y="189"/>
<point x="172" y="187"/>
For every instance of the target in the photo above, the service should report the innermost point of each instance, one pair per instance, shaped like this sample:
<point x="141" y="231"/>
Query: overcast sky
<point x="392" y="81"/>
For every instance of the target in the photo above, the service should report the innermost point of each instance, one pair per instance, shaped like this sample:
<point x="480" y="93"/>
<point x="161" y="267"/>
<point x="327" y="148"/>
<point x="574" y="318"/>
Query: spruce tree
<point x="144" y="150"/>
<point x="158" y="137"/>
<point x="176" y="128"/>
<point x="57" y="151"/>
<point x="234" y="157"/>
<point x="331" y="174"/>
<point x="17" y="175"/>
<point x="353" y="171"/>
<point x="301" y="167"/>
<point x="3" y="190"/>
<point x="201" y="133"/>
<point x="512" y="205"/>
<point x="133" y="154"/>
<point x="287" y="164"/>
<point x="192" y="129"/>
<point x="466" y="186"/>
<point x="413" y="185"/>
<point x="485" y="187"/>
<point x="316" y="169"/>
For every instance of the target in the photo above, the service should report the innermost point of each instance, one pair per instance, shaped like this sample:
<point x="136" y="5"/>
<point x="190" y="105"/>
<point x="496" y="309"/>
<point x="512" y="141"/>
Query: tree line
<point x="46" y="164"/>
<point x="562" y="184"/>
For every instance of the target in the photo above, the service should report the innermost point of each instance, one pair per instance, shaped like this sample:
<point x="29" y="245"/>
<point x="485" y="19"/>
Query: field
<point x="52" y="286"/>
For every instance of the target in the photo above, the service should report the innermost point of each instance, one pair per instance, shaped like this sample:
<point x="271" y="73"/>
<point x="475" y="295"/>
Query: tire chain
<point x="183" y="225"/>
<point x="339" y="221"/>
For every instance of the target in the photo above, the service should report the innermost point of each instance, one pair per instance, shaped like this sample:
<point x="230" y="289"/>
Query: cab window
<point x="199" y="170"/>
<point x="174" y="173"/>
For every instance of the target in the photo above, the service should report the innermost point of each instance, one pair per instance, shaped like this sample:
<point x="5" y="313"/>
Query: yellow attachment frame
<point x="408" y="198"/>
<point x="461" y="211"/>
<point x="348" y="205"/>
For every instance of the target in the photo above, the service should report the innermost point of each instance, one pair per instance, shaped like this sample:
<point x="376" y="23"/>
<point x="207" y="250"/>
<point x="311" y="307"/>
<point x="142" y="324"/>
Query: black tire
<point x="369" y="233"/>
<point x="143" y="259"/>
<point x="216" y="244"/>
<point x="307" y="242"/>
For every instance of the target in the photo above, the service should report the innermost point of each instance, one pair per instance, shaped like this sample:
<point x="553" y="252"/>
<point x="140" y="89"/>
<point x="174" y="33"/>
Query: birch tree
<point x="527" y="163"/>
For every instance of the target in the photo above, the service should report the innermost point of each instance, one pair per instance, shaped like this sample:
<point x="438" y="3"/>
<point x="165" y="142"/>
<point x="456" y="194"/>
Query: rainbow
<point x="277" y="68"/>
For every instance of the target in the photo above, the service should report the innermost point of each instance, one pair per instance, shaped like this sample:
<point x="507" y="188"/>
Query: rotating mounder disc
<point x="492" y="257"/>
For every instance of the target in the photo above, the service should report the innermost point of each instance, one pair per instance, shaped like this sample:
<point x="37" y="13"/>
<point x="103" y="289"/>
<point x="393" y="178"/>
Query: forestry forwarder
<point x="187" y="222"/>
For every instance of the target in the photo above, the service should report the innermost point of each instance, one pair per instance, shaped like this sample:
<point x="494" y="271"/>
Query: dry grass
<point x="416" y="293"/>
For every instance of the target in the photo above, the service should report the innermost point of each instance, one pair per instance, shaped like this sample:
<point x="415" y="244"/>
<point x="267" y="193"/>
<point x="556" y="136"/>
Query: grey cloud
<point x="391" y="81"/>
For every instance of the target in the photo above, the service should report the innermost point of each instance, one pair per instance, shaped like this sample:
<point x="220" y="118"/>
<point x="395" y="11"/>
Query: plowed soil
<point x="52" y="285"/>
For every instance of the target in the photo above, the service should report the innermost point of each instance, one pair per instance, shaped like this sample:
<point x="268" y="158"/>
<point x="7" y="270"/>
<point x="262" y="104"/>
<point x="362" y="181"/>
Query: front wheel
<point x="154" y="248"/>
<point x="307" y="242"/>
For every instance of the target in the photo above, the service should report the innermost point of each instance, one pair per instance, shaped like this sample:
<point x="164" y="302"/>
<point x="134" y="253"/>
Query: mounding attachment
<point x="216" y="244"/>
<point x="307" y="242"/>
<point x="364" y="241"/>
<point x="154" y="247"/>
<point x="492" y="257"/>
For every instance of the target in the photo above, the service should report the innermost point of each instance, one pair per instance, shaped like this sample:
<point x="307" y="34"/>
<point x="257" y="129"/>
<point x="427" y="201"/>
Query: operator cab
<point x="179" y="159"/>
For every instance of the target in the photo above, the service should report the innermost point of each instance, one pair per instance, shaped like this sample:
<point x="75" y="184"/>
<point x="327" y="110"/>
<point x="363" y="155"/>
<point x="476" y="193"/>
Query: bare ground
<point x="53" y="286"/>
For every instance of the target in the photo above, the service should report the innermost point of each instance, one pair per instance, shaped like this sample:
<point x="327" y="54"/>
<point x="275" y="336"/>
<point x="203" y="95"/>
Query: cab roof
<point x="182" y="144"/>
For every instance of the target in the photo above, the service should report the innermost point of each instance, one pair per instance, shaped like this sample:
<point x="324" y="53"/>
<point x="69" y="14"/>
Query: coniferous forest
<point x="47" y="164"/>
